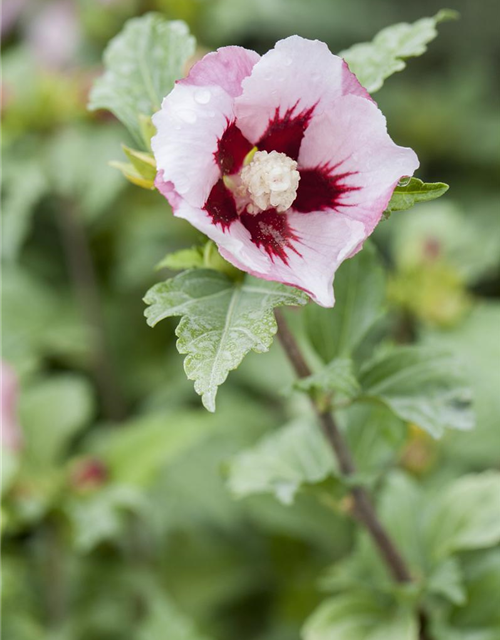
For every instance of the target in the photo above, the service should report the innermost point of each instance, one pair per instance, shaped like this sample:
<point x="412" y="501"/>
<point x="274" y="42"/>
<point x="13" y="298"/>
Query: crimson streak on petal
<point x="271" y="231"/>
<point x="221" y="206"/>
<point x="284" y="133"/>
<point x="232" y="149"/>
<point x="321" y="189"/>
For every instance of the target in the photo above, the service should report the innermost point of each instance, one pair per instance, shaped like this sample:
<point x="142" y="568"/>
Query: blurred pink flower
<point x="11" y="12"/>
<point x="283" y="160"/>
<point x="54" y="34"/>
<point x="11" y="430"/>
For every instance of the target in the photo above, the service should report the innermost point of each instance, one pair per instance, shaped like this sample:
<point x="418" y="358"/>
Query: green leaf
<point x="78" y="160"/>
<point x="10" y="465"/>
<point x="139" y="448"/>
<point x="466" y="515"/>
<point x="165" y="620"/>
<point x="428" y="525"/>
<point x="480" y="357"/>
<point x="51" y="412"/>
<point x="282" y="462"/>
<point x="373" y="62"/>
<point x="359" y="294"/>
<point x="207" y="257"/>
<point x="55" y="329"/>
<point x="415" y="191"/>
<point x="142" y="63"/>
<point x="103" y="515"/>
<point x="19" y="203"/>
<point x="480" y="619"/>
<point x="134" y="176"/>
<point x="422" y="386"/>
<point x="144" y="163"/>
<point x="338" y="377"/>
<point x="373" y="433"/>
<point x="447" y="580"/>
<point x="183" y="259"/>
<point x="359" y="615"/>
<point x="213" y="260"/>
<point x="222" y="321"/>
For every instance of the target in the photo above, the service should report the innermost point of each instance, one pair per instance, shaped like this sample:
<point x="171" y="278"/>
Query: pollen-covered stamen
<point x="269" y="181"/>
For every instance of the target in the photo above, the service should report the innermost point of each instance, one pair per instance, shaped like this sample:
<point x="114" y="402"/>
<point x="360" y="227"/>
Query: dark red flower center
<point x="320" y="189"/>
<point x="284" y="133"/>
<point x="271" y="231"/>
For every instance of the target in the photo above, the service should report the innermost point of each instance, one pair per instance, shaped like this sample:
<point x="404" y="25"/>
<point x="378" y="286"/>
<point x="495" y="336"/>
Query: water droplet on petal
<point x="188" y="115"/>
<point x="202" y="96"/>
<point x="288" y="62"/>
<point x="182" y="188"/>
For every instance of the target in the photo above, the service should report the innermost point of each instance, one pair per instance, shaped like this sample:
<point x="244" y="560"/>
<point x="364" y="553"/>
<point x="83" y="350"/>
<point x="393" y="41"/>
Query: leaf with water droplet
<point x="222" y="320"/>
<point x="142" y="63"/>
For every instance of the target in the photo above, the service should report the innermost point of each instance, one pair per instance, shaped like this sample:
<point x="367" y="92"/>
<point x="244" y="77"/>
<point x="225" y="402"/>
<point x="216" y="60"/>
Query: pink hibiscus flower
<point x="283" y="160"/>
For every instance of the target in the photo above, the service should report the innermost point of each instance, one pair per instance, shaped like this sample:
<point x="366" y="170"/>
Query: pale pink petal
<point x="353" y="141"/>
<point x="351" y="85"/>
<point x="298" y="74"/>
<point x="227" y="67"/>
<point x="202" y="221"/>
<point x="324" y="241"/>
<point x="189" y="126"/>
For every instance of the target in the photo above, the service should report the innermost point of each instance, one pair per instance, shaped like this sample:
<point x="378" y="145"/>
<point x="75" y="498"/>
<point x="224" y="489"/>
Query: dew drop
<point x="287" y="62"/>
<point x="188" y="115"/>
<point x="202" y="96"/>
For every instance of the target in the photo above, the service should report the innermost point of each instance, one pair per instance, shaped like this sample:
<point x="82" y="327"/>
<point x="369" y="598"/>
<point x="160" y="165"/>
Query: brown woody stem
<point x="363" y="507"/>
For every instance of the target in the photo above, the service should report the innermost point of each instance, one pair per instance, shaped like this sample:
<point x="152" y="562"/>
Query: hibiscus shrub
<point x="310" y="490"/>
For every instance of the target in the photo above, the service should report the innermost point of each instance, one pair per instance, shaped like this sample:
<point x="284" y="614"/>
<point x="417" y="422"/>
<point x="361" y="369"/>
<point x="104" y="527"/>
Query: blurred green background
<point x="117" y="522"/>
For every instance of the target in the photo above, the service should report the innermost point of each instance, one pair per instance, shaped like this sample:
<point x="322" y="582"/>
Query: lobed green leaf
<point x="338" y="377"/>
<point x="282" y="462"/>
<point x="360" y="615"/>
<point x="466" y="515"/>
<point x="373" y="62"/>
<point x="222" y="320"/>
<point x="420" y="385"/>
<point x="142" y="63"/>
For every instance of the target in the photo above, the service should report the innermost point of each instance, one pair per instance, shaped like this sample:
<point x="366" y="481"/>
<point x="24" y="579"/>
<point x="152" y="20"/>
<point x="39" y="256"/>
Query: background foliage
<point x="131" y="512"/>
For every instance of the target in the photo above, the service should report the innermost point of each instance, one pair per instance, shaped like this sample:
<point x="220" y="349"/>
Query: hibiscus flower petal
<point x="290" y="84"/>
<point x="302" y="251"/>
<point x="225" y="68"/>
<point x="350" y="164"/>
<point x="196" y="135"/>
<point x="187" y="139"/>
